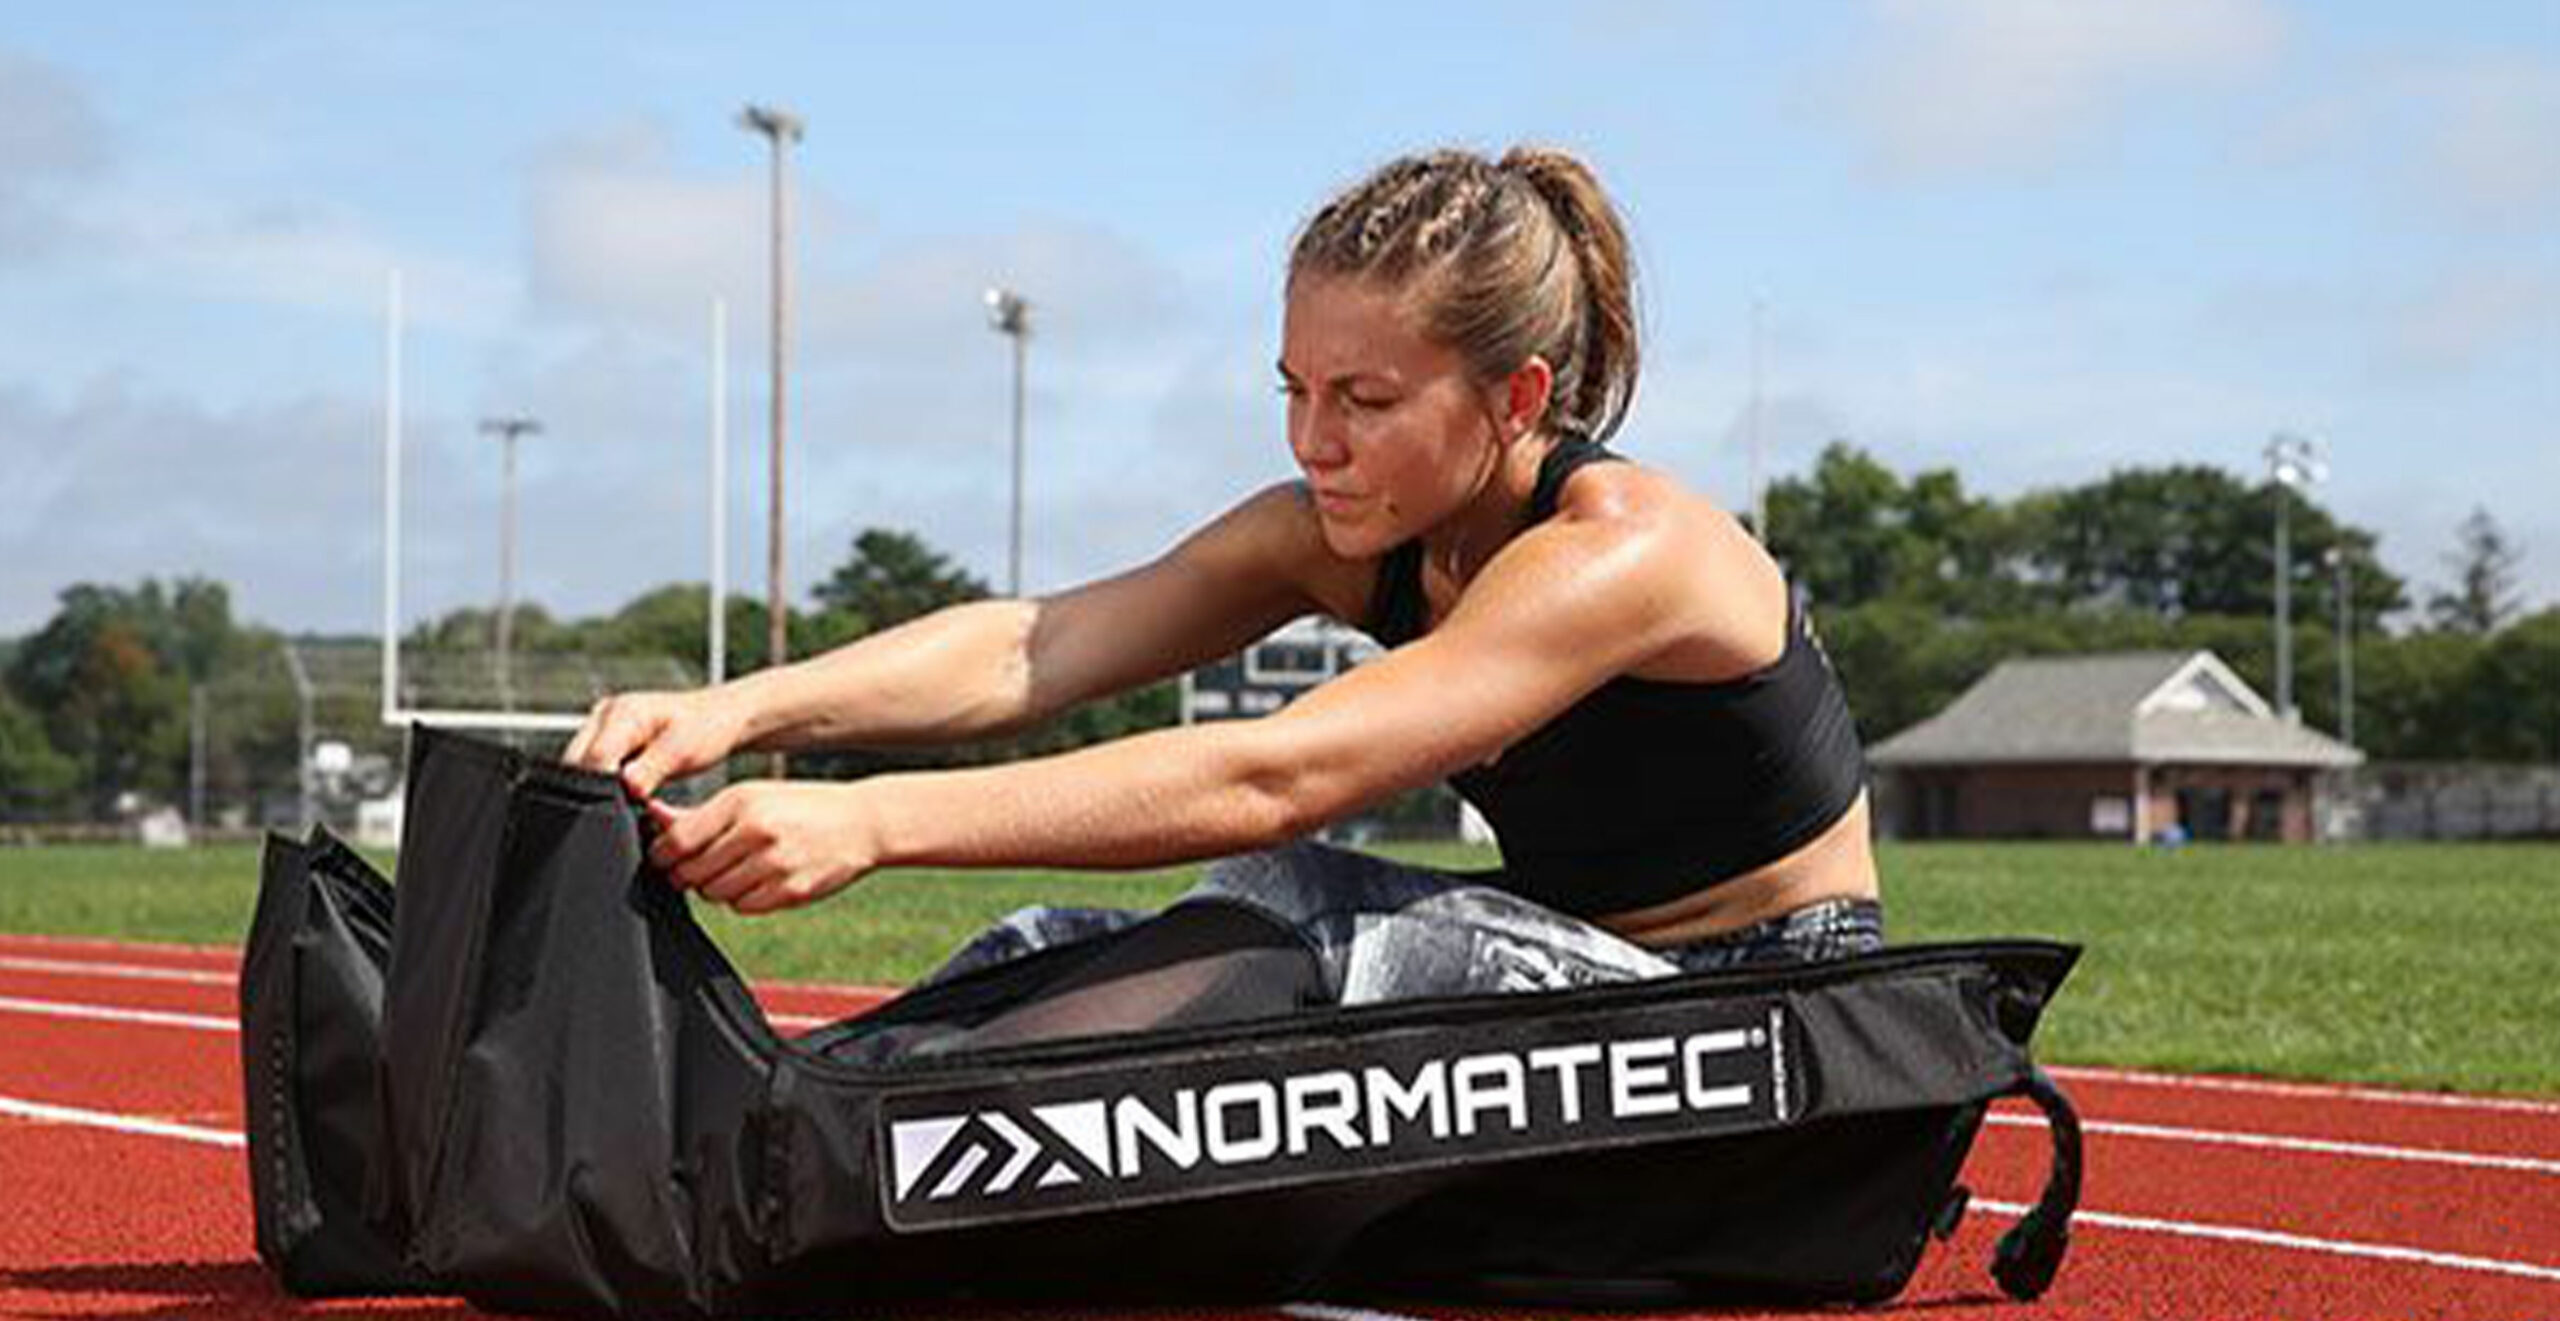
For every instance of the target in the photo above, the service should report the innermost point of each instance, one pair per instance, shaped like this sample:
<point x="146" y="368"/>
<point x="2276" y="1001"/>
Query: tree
<point x="475" y="629"/>
<point x="1854" y="532"/>
<point x="2513" y="691"/>
<point x="2484" y="574"/>
<point x="667" y="621"/>
<point x="2194" y="540"/>
<point x="199" y="638"/>
<point x="894" y="577"/>
<point x="108" y="677"/>
<point x="2411" y="693"/>
<point x="35" y="781"/>
<point x="2165" y="540"/>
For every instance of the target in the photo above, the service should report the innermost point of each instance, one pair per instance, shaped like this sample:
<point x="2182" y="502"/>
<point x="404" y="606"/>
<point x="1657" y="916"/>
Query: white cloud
<point x="50" y="134"/>
<point x="619" y="232"/>
<point x="2490" y="145"/>
<point x="1964" y="86"/>
<point x="119" y="483"/>
<point x="2048" y="395"/>
<point x="63" y="174"/>
<point x="282" y="500"/>
<point x="2470" y="316"/>
<point x="289" y="254"/>
<point x="899" y="409"/>
<point x="2464" y="135"/>
<point x="622" y="234"/>
<point x="48" y="125"/>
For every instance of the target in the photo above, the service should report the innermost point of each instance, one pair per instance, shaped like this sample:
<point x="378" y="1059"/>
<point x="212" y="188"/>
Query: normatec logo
<point x="1149" y="1135"/>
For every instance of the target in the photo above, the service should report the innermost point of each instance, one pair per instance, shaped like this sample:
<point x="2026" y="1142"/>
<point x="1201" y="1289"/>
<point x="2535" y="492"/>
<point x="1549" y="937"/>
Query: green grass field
<point x="2421" y="965"/>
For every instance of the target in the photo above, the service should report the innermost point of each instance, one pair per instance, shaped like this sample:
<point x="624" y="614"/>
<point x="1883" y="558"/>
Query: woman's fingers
<point x="638" y="735"/>
<point x="686" y="831"/>
<point x="751" y="847"/>
<point x="584" y="739"/>
<point x="772" y="896"/>
<point x="613" y="730"/>
<point x="714" y="850"/>
<point x="743" y="877"/>
<point x="644" y="773"/>
<point x="704" y="870"/>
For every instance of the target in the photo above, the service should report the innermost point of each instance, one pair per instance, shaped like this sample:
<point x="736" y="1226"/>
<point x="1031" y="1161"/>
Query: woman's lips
<point x="1335" y="500"/>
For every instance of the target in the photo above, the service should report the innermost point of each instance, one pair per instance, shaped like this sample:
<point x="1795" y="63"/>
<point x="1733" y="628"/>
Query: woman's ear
<point x="1526" y="394"/>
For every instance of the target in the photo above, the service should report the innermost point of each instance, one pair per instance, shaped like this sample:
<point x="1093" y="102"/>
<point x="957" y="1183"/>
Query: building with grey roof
<point x="2129" y="746"/>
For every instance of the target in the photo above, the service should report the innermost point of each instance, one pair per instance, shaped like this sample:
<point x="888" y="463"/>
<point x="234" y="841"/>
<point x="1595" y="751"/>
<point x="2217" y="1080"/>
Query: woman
<point x="1605" y="663"/>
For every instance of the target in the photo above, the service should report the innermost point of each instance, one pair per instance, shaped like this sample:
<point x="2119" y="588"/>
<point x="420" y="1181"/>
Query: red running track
<point x="121" y="1192"/>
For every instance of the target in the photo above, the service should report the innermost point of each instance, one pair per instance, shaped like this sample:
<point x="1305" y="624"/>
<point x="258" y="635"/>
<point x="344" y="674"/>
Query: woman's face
<point x="1389" y="428"/>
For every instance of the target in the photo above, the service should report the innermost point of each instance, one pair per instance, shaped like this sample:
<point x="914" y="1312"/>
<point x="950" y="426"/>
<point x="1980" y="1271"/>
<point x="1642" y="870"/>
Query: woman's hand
<point x="766" y="845"/>
<point x="652" y="738"/>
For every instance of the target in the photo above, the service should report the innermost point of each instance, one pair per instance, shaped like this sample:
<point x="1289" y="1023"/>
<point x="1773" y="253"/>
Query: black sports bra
<point x="1646" y="791"/>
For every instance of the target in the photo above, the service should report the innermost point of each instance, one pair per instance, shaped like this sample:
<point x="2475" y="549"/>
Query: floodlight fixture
<point x="2292" y="460"/>
<point x="1009" y="315"/>
<point x="774" y="122"/>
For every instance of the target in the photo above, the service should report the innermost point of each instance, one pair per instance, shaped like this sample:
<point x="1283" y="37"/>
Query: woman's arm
<point x="1564" y="608"/>
<point x="983" y="668"/>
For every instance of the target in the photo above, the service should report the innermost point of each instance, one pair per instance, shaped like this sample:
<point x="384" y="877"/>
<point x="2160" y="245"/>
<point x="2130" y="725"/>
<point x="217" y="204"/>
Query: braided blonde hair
<point x="1504" y="260"/>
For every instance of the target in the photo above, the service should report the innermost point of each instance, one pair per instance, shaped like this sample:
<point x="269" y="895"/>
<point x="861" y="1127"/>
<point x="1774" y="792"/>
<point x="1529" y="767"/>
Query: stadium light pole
<point x="2291" y="461"/>
<point x="780" y="129"/>
<point x="508" y="430"/>
<point x="1009" y="315"/>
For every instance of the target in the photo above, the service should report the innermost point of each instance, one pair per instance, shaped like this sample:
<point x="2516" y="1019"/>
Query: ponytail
<point x="1505" y="260"/>
<point x="1607" y="353"/>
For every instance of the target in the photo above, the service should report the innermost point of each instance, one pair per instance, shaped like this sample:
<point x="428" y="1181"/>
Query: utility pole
<point x="1009" y="315"/>
<point x="508" y="430"/>
<point x="780" y="128"/>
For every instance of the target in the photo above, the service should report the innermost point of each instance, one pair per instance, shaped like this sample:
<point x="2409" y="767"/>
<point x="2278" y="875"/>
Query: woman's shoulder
<point x="1690" y="557"/>
<point x="1631" y="501"/>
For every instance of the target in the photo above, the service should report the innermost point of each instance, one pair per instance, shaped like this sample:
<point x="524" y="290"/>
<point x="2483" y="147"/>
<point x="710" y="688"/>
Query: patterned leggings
<point x="1386" y="930"/>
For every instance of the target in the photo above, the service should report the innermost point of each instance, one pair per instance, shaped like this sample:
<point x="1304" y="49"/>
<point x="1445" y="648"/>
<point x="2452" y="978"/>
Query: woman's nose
<point x="1313" y="440"/>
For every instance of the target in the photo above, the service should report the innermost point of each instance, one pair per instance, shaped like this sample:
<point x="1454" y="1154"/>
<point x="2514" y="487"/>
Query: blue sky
<point x="2034" y="241"/>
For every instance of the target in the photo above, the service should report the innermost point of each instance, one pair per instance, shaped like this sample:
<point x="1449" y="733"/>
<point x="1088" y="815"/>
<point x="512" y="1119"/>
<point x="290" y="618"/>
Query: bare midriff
<point x="1836" y="864"/>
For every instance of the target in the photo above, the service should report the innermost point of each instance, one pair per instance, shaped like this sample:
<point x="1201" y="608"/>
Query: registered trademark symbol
<point x="1759" y="1036"/>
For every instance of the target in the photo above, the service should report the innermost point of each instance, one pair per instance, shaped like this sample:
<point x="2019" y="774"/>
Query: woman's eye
<point x="1369" y="403"/>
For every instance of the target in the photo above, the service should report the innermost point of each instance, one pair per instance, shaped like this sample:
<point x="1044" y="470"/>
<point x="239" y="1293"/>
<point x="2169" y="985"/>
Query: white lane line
<point x="1329" y="1312"/>
<point x="211" y="1023"/>
<point x="1319" y="1312"/>
<point x="227" y="974"/>
<point x="2307" y="1091"/>
<point x="113" y="1014"/>
<point x="2299" y="1242"/>
<point x="127" y="971"/>
<point x="2282" y="1142"/>
<point x="45" y="1113"/>
<point x="219" y="954"/>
